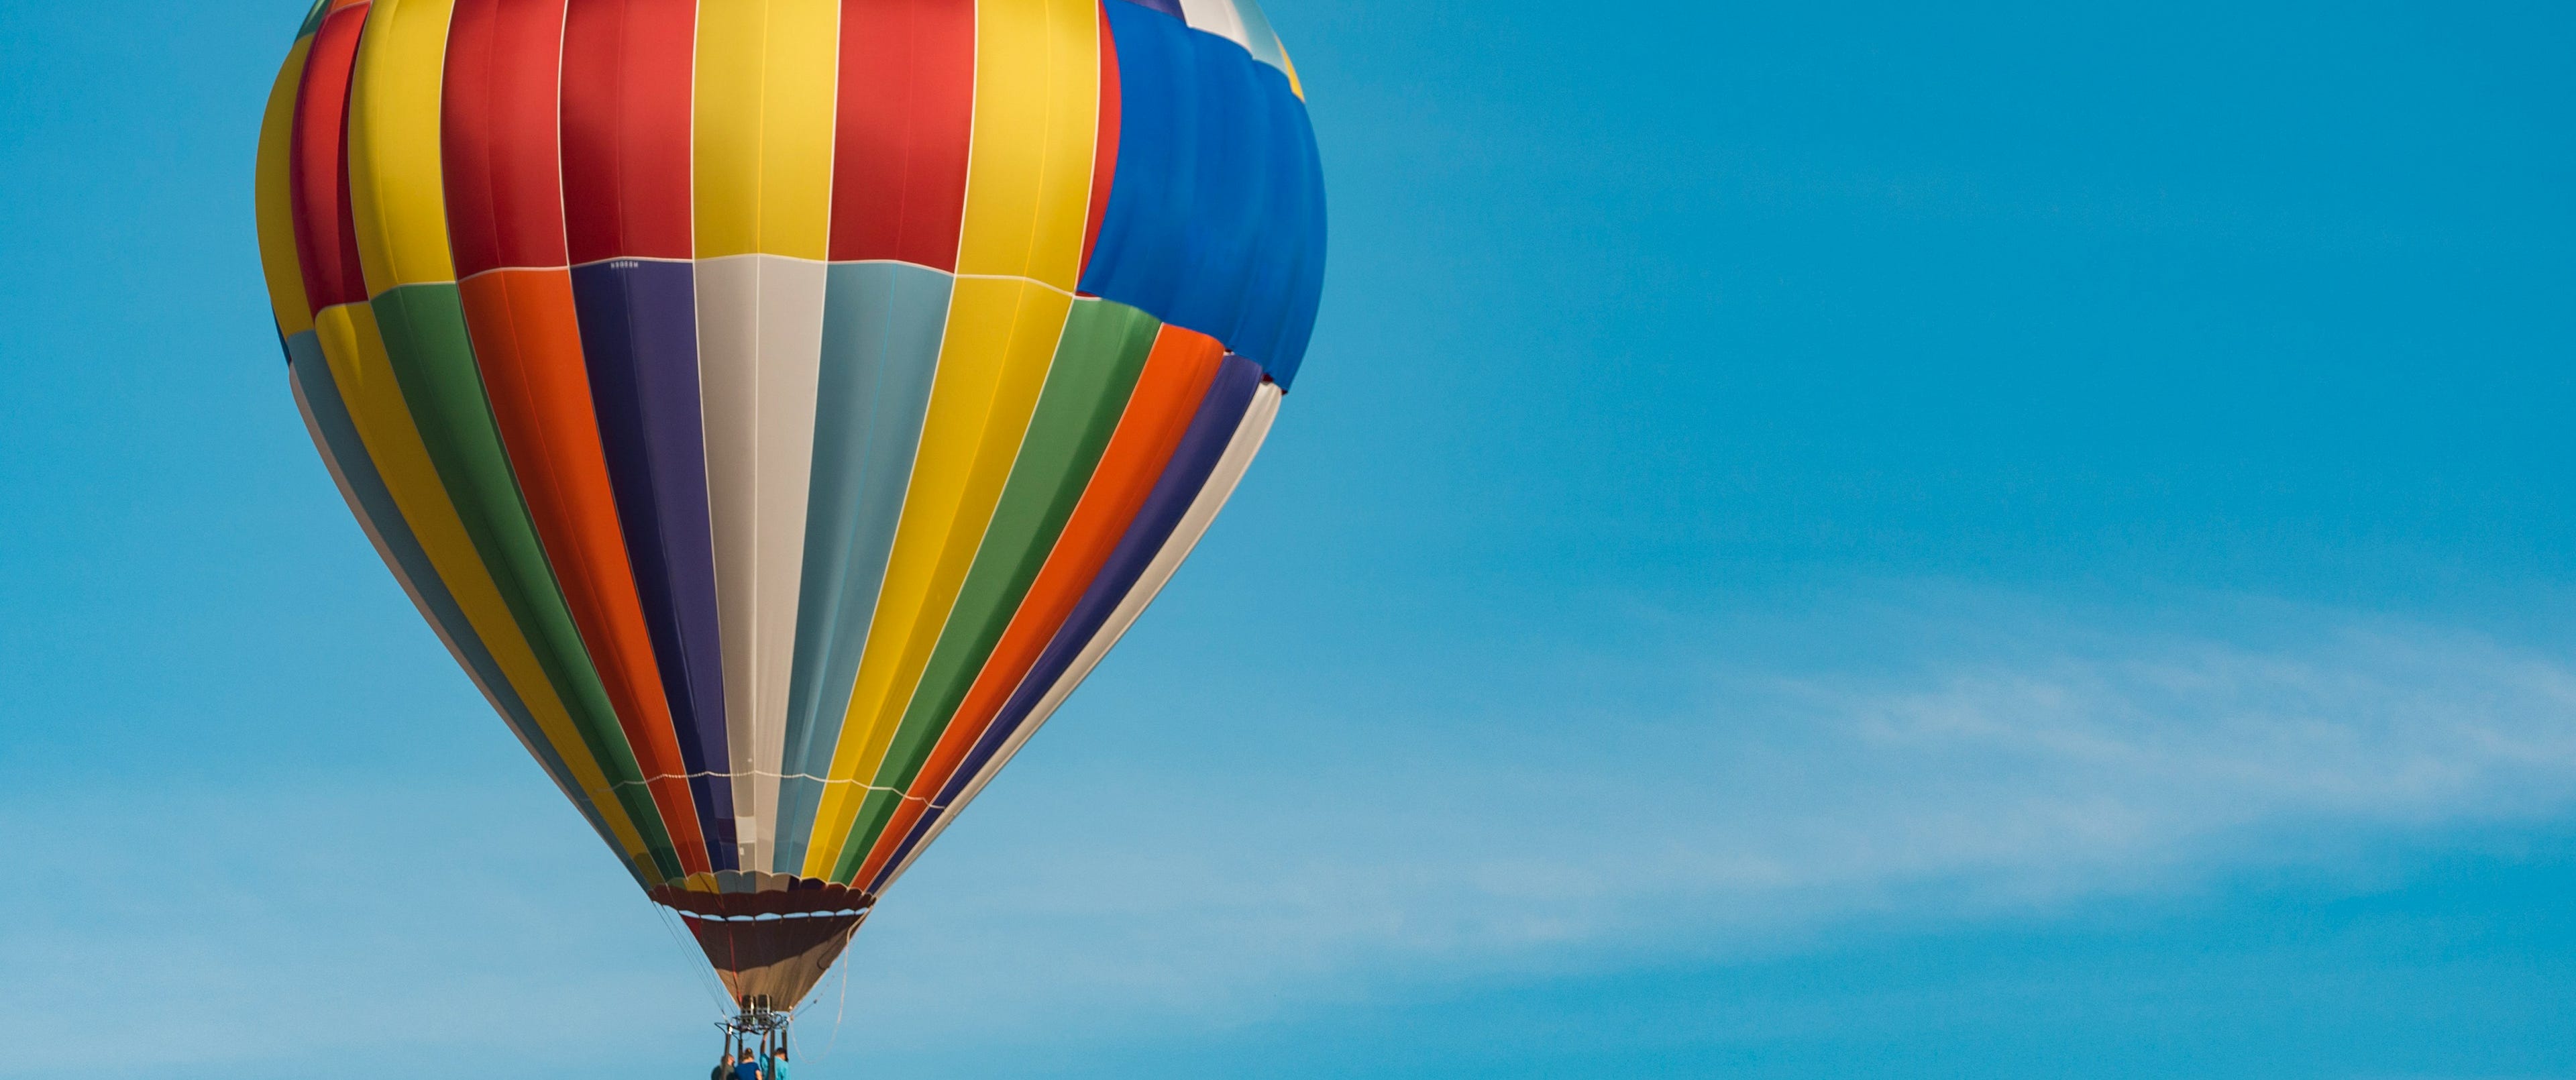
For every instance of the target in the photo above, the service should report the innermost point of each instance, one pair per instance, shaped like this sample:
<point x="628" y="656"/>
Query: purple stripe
<point x="1219" y="414"/>
<point x="639" y="330"/>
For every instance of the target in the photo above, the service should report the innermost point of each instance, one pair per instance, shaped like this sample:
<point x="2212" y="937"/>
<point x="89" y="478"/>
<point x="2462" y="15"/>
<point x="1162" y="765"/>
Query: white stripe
<point x="760" y="349"/>
<point x="1259" y="37"/>
<point x="773" y="744"/>
<point x="1216" y="17"/>
<point x="1221" y="482"/>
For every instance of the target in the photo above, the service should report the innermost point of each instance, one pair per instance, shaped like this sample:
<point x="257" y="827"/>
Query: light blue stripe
<point x="882" y="327"/>
<point x="1261" y="40"/>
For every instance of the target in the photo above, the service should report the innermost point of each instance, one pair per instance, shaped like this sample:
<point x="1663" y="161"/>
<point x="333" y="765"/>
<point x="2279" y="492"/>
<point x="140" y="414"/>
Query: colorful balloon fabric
<point x="778" y="406"/>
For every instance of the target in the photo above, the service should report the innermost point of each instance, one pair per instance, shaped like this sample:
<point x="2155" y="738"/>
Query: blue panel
<point x="1216" y="213"/>
<point x="312" y="374"/>
<point x="882" y="325"/>
<point x="639" y="336"/>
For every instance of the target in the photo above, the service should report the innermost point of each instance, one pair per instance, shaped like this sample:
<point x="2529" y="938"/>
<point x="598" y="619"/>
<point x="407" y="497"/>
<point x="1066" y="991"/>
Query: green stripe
<point x="1096" y="365"/>
<point x="433" y="361"/>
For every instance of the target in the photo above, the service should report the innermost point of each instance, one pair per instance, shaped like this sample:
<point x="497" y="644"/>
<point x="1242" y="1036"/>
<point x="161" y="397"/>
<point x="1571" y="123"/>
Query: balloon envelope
<point x="778" y="406"/>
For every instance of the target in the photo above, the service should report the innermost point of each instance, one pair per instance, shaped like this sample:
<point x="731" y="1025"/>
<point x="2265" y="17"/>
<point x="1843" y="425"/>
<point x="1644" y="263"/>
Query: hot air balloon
<point x="777" y="407"/>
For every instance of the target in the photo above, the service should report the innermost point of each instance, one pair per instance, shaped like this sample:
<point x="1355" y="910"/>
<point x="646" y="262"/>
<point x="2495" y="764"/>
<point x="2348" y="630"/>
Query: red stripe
<point x="1104" y="153"/>
<point x="627" y="71"/>
<point x="317" y="177"/>
<point x="1177" y="373"/>
<point x="906" y="118"/>
<point x="497" y="134"/>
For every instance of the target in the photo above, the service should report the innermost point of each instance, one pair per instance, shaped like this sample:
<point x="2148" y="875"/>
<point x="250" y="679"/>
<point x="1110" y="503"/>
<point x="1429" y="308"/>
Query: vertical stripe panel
<point x="1019" y="253"/>
<point x="765" y="94"/>
<point x="762" y="164"/>
<point x="907" y="105"/>
<point x="326" y="246"/>
<point x="639" y="337"/>
<point x="626" y="126"/>
<point x="498" y="134"/>
<point x="760" y="328"/>
<point x="399" y="206"/>
<point x="1037" y="99"/>
<point x="882" y="327"/>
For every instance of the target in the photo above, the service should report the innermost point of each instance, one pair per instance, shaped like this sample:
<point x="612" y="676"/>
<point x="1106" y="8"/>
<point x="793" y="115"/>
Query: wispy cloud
<point x="2011" y="758"/>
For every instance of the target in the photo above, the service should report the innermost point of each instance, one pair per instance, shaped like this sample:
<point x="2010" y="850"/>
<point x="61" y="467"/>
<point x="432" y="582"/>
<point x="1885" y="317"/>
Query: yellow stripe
<point x="395" y="183"/>
<point x="1028" y="197"/>
<point x="277" y="258"/>
<point x="1295" y="86"/>
<point x="763" y="159"/>
<point x="1037" y="102"/>
<point x="356" y="351"/>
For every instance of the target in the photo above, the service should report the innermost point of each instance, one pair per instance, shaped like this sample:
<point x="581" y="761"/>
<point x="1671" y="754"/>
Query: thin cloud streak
<point x="2004" y="771"/>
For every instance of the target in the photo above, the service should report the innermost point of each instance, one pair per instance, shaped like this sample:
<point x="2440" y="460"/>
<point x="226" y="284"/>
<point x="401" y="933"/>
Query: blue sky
<point x="1814" y="540"/>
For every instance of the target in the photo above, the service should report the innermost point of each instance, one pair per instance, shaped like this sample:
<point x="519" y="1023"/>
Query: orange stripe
<point x="1176" y="376"/>
<point x="527" y="341"/>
